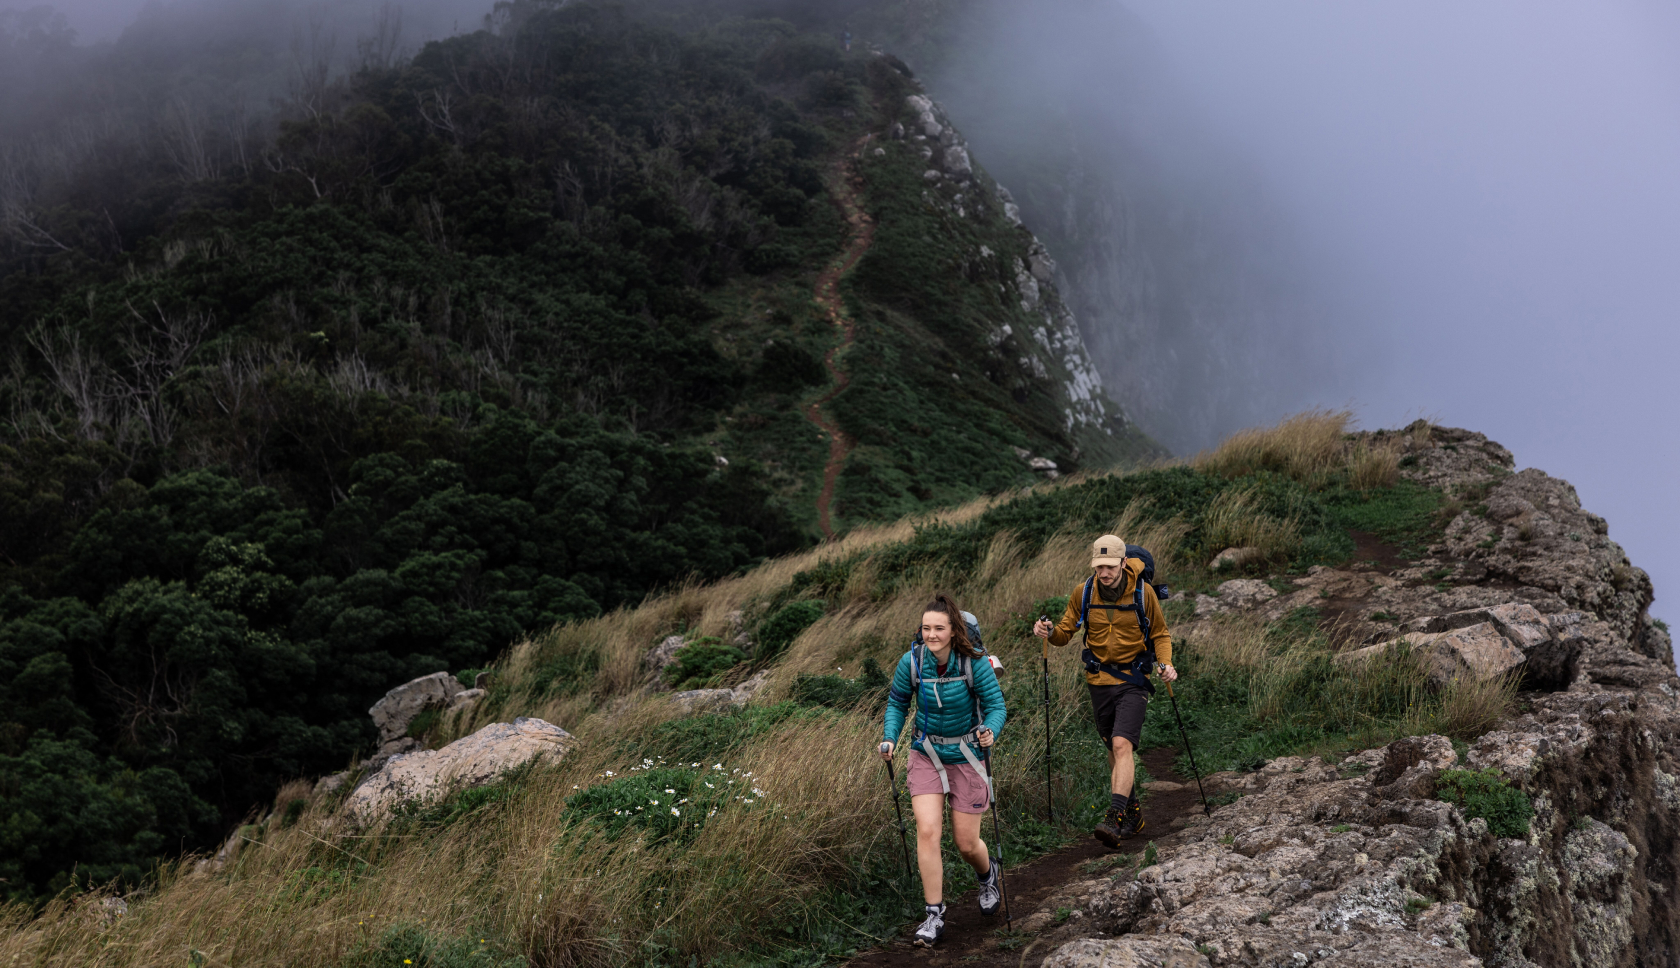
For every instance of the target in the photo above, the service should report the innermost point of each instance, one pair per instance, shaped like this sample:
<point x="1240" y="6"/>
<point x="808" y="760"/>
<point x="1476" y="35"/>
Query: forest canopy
<point x="307" y="404"/>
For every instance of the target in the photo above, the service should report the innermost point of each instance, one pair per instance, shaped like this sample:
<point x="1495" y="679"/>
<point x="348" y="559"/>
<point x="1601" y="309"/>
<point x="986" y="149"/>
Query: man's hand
<point x="1166" y="672"/>
<point x="1042" y="628"/>
<point x="984" y="735"/>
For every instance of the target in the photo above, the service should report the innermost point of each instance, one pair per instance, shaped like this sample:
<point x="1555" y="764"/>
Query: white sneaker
<point x="932" y="929"/>
<point x="990" y="894"/>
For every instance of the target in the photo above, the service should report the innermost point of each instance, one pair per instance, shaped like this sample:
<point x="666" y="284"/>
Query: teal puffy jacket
<point x="950" y="712"/>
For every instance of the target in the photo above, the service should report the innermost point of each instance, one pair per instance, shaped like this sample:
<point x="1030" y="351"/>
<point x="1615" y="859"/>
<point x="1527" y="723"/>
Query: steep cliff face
<point x="1187" y="290"/>
<point x="1365" y="861"/>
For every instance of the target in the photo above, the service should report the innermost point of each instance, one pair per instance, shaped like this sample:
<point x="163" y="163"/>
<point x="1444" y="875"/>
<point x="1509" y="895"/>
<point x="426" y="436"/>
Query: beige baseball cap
<point x="1108" y="550"/>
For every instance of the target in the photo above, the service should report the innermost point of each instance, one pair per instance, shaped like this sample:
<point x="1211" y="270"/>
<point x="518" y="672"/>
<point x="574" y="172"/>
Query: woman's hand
<point x="1168" y="673"/>
<point x="984" y="735"/>
<point x="886" y="751"/>
<point x="1042" y="628"/>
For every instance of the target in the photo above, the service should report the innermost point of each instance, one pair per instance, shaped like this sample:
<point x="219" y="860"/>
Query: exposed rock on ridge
<point x="1358" y="863"/>
<point x="1053" y="349"/>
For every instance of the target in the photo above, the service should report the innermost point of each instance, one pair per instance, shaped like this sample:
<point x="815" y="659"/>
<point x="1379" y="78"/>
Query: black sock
<point x="935" y="908"/>
<point x="1118" y="802"/>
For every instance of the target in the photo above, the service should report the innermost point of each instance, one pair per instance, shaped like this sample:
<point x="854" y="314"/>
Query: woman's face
<point x="936" y="630"/>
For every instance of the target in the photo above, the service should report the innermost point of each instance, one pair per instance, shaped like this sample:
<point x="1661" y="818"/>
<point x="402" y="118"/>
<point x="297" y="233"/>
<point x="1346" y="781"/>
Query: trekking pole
<point x="903" y="835"/>
<point x="997" y="835"/>
<point x="1194" y="769"/>
<point x="1049" y="808"/>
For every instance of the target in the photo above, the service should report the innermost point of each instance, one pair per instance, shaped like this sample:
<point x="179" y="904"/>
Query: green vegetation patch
<point x="702" y="662"/>
<point x="1405" y="514"/>
<point x="778" y="631"/>
<point x="1486" y="794"/>
<point x="670" y="804"/>
<point x="410" y="946"/>
<point x="710" y="737"/>
<point x="839" y="692"/>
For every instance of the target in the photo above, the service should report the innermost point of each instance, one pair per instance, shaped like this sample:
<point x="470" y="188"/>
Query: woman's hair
<point x="959" y="628"/>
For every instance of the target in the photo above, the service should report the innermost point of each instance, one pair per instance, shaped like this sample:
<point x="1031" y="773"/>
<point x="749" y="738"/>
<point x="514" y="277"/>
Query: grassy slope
<point x="413" y="393"/>
<point x="576" y="864"/>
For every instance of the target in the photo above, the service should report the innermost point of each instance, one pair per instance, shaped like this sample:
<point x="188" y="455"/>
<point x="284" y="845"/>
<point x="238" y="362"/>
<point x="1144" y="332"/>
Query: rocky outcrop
<point x="1046" y="343"/>
<point x="1520" y="555"/>
<point x="1358" y="862"/>
<point x="468" y="762"/>
<point x="1478" y="651"/>
<point x="398" y="707"/>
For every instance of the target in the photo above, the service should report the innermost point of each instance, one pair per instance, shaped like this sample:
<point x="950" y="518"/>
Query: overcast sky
<point x="1491" y="191"/>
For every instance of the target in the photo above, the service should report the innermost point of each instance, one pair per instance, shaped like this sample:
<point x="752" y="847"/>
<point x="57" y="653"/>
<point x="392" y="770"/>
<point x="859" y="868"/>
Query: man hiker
<point x="1117" y="664"/>
<point x="959" y="711"/>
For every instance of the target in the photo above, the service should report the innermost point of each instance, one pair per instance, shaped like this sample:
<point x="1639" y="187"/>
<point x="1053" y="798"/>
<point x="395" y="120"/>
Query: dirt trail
<point x="847" y="186"/>
<point x="973" y="939"/>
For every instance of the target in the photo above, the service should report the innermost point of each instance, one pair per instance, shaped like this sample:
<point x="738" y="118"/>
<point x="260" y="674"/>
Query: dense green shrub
<point x="702" y="661"/>
<point x="1485" y="794"/>
<point x="784" y="625"/>
<point x="839" y="692"/>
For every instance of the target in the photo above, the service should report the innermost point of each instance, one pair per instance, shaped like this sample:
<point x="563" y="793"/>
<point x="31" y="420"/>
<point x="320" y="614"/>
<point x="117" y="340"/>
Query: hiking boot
<point x="932" y="929"/>
<point x="1109" y="830"/>
<point x="1132" y="821"/>
<point x="990" y="893"/>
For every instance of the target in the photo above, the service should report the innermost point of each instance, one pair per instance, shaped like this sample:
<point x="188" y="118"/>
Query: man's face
<point x="1107" y="574"/>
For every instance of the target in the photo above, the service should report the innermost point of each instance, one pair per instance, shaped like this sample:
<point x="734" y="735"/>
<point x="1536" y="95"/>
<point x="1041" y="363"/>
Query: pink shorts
<point x="969" y="793"/>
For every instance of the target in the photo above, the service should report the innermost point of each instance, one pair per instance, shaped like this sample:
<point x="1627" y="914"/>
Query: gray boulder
<point x="393" y="713"/>
<point x="957" y="163"/>
<point x="471" y="761"/>
<point x="1478" y="651"/>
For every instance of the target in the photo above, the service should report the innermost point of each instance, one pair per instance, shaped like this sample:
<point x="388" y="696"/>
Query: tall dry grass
<point x="1374" y="465"/>
<point x="1305" y="447"/>
<point x="560" y="892"/>
<point x="557" y="888"/>
<point x="1234" y="520"/>
<point x="1293" y="678"/>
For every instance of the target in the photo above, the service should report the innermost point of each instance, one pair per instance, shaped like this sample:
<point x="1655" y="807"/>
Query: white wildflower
<point x="675" y="812"/>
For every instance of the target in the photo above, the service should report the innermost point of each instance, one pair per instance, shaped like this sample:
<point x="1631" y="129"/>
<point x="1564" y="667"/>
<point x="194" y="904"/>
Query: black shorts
<point x="1119" y="711"/>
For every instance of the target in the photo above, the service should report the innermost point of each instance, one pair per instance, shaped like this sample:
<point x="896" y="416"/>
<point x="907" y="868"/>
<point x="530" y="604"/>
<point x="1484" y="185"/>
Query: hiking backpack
<point x="1136" y="673"/>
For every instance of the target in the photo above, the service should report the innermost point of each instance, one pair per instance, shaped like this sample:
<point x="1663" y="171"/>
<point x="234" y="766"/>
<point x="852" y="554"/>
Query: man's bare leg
<point x="1122" y="770"/>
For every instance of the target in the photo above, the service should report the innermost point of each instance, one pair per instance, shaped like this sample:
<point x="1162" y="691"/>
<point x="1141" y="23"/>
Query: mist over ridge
<point x="1418" y="211"/>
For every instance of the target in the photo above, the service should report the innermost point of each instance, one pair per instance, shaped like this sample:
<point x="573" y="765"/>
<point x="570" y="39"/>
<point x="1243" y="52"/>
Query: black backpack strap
<point x="1137" y="672"/>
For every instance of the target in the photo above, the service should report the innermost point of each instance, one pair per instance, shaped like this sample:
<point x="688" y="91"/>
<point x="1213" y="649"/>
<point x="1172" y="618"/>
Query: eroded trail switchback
<point x="847" y="186"/>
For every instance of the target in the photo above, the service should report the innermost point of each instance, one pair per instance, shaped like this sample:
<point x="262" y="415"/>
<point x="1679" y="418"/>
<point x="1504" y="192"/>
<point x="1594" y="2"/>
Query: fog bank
<point x="1488" y="193"/>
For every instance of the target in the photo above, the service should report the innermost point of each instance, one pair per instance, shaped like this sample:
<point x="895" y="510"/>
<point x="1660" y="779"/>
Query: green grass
<point x="1296" y="701"/>
<point x="1405" y="515"/>
<point x="410" y="946"/>
<point x="702" y="662"/>
<point x="1485" y="794"/>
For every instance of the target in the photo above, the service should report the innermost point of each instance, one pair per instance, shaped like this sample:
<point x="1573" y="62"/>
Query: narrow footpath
<point x="846" y="183"/>
<point x="973" y="939"/>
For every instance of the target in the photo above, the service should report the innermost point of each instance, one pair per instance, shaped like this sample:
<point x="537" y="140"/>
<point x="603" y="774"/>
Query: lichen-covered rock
<point x="1532" y="531"/>
<point x="1236" y="594"/>
<point x="662" y="655"/>
<point x="1478" y="652"/>
<point x="393" y="713"/>
<point x="701" y="700"/>
<point x="468" y="762"/>
<point x="1234" y="558"/>
<point x="1127" y="953"/>
<point x="1357" y="864"/>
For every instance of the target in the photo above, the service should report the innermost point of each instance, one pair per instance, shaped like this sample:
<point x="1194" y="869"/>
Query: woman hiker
<point x="954" y="687"/>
